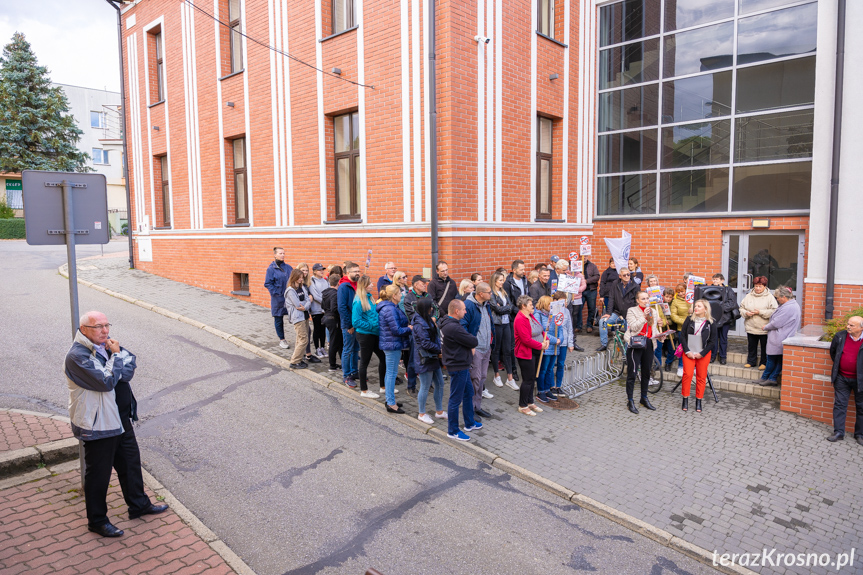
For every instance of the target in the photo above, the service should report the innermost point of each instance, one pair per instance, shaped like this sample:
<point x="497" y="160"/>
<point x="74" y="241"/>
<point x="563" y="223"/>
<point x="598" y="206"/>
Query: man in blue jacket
<point x="101" y="410"/>
<point x="457" y="350"/>
<point x="478" y="322"/>
<point x="345" y="298"/>
<point x="276" y="283"/>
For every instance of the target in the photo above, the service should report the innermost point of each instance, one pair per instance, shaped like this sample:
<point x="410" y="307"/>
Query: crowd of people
<point x="438" y="329"/>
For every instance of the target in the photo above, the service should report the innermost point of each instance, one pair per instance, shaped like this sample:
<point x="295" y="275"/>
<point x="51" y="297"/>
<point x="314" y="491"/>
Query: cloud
<point x="77" y="41"/>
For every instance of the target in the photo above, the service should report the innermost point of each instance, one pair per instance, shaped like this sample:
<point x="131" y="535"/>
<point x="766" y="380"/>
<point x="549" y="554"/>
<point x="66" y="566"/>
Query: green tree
<point x="36" y="130"/>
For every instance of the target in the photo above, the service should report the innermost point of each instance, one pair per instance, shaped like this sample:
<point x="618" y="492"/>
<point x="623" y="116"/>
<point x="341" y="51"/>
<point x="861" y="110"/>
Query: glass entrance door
<point x="776" y="256"/>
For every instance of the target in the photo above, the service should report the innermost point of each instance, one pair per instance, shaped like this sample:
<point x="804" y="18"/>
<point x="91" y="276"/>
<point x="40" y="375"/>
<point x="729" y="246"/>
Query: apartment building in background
<point x="703" y="128"/>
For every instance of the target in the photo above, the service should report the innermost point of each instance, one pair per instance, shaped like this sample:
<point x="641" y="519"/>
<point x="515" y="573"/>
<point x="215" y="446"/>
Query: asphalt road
<point x="294" y="478"/>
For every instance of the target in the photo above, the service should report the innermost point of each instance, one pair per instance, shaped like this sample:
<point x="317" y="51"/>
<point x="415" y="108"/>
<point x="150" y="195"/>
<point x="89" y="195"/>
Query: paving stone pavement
<point x="740" y="477"/>
<point x="19" y="430"/>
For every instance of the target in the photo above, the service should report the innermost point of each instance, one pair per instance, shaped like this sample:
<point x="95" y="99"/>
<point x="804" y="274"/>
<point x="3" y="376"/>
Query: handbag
<point x="735" y="314"/>
<point x="638" y="342"/>
<point x="679" y="351"/>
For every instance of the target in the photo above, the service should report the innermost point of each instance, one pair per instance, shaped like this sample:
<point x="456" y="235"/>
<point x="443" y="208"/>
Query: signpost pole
<point x="69" y="225"/>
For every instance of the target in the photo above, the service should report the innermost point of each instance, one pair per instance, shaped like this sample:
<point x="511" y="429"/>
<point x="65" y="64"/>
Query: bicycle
<point x="617" y="350"/>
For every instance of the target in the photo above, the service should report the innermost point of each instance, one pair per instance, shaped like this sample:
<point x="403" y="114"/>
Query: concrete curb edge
<point x="625" y="520"/>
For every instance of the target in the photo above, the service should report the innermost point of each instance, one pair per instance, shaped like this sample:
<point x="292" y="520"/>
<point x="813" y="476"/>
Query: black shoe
<point x="603" y="348"/>
<point x="836" y="437"/>
<point x="481" y="412"/>
<point x="106" y="530"/>
<point x="577" y="347"/>
<point x="668" y="368"/>
<point x="698" y="405"/>
<point x="713" y="359"/>
<point x="301" y="365"/>
<point x="396" y="410"/>
<point x="685" y="404"/>
<point x="768" y="382"/>
<point x="515" y="376"/>
<point x="313" y="359"/>
<point x="399" y="404"/>
<point x="399" y="380"/>
<point x="722" y="361"/>
<point x="646" y="403"/>
<point x="630" y="404"/>
<point x="335" y="368"/>
<point x="151" y="510"/>
<point x="859" y="439"/>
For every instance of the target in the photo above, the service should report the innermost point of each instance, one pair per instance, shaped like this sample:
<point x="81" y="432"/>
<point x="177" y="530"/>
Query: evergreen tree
<point x="36" y="130"/>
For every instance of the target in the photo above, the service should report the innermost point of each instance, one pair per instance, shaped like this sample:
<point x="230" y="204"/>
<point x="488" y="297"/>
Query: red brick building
<point x="690" y="127"/>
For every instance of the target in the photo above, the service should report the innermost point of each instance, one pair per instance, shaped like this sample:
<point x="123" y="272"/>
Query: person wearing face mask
<point x="442" y="288"/>
<point x="756" y="309"/>
<point x="276" y="282"/>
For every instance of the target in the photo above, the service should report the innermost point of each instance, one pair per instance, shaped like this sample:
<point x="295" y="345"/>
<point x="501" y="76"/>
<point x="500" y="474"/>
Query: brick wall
<point x="806" y="386"/>
<point x="845" y="298"/>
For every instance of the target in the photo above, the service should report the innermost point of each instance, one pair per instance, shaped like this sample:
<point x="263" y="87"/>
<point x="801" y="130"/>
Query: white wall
<point x="849" y="228"/>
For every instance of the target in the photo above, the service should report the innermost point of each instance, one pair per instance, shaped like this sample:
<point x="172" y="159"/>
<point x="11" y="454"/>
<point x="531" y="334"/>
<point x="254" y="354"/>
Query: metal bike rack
<point x="588" y="373"/>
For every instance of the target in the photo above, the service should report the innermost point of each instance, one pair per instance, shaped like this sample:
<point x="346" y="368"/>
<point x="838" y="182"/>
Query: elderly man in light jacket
<point x="783" y="324"/>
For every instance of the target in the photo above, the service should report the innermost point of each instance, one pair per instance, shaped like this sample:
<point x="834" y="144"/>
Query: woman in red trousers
<point x="697" y="336"/>
<point x="530" y="339"/>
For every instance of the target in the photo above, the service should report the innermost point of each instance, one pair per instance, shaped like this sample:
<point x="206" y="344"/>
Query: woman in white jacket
<point x="756" y="309"/>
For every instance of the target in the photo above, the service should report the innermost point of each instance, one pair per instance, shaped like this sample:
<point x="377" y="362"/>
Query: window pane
<point x="779" y="85"/>
<point x="747" y="6"/>
<point x="772" y="187"/>
<point x="95" y="119"/>
<point x="699" y="50"/>
<point x="105" y="157"/>
<point x="545" y="135"/>
<point x="776" y="34"/>
<point x="342" y="133"/>
<point x="686" y="13"/>
<point x="704" y="144"/>
<point x="545" y="187"/>
<point x="622" y="195"/>
<point x="239" y="153"/>
<point x="343" y="173"/>
<point x="628" y="20"/>
<point x="610" y="62"/>
<point x="696" y="98"/>
<point x="641" y="62"/>
<point x="240" y="191"/>
<point x="340" y="15"/>
<point x="543" y="16"/>
<point x="160" y="81"/>
<point x="630" y="108"/>
<point x="158" y="39"/>
<point x="627" y="152"/>
<point x="694" y="191"/>
<point x="96" y="155"/>
<point x="774" y="136"/>
<point x="233" y="9"/>
<point x="163" y="165"/>
<point x="355" y="127"/>
<point x="236" y="49"/>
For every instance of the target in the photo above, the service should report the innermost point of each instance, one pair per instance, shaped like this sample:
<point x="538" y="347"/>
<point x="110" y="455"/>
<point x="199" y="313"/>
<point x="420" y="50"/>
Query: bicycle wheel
<point x="618" y="357"/>
<point x="655" y="376"/>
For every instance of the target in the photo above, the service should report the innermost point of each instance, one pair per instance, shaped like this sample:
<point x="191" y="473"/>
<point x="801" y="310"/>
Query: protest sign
<point x="553" y="286"/>
<point x="573" y="255"/>
<point x="666" y="309"/>
<point x="569" y="284"/>
<point x="584" y="240"/>
<point x="585" y="250"/>
<point x="694" y="281"/>
<point x="576" y="265"/>
<point x="655" y="294"/>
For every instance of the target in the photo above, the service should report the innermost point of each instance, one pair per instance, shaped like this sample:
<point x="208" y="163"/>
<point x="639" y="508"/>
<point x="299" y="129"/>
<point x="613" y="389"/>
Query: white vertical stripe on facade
<point x="405" y="103"/>
<point x="586" y="111"/>
<point x="135" y="120"/>
<point x="288" y="148"/>
<point x="588" y="190"/>
<point x="426" y="118"/>
<point x="361" y="78"/>
<point x="489" y="110"/>
<point x="248" y="135"/>
<point x="280" y="32"/>
<point x="165" y="106"/>
<point x="322" y="159"/>
<point x="532" y="158"/>
<point x="193" y="64"/>
<point x="222" y="164"/>
<point x="498" y="132"/>
<point x="149" y="122"/>
<point x="565" y="164"/>
<point x="416" y="57"/>
<point x="271" y="15"/>
<point x="480" y="115"/>
<point x="193" y="145"/>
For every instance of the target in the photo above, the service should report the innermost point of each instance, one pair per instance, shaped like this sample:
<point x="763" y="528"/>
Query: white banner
<point x="619" y="248"/>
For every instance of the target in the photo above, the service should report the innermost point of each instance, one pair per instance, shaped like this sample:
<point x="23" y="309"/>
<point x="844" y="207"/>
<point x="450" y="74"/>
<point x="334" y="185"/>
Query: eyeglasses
<point x="100" y="326"/>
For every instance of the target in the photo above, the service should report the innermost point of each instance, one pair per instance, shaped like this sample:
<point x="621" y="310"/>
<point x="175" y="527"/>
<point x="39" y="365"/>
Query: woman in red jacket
<point x="529" y="340"/>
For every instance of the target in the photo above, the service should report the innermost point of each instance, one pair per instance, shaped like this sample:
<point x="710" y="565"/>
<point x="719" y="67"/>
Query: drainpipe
<point x="834" y="174"/>
<point x="432" y="104"/>
<point x="123" y="130"/>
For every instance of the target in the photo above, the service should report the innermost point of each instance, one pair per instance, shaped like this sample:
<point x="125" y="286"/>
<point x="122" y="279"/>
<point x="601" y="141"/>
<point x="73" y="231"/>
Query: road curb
<point x="25" y="460"/>
<point x="623" y="519"/>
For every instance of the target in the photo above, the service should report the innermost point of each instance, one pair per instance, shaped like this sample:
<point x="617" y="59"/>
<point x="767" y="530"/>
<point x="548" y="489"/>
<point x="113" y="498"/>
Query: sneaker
<point x="426" y="419"/>
<point x="476" y="425"/>
<point x="284" y="345"/>
<point x="369" y="394"/>
<point x="486" y="394"/>
<point x="459" y="435"/>
<point x="680" y="371"/>
<point x="443" y="415"/>
<point x="498" y="381"/>
<point x="313" y="359"/>
<point x="301" y="365"/>
<point x="321" y="353"/>
<point x="382" y="391"/>
<point x="541" y="397"/>
<point x="350" y="383"/>
<point x="512" y="384"/>
<point x="550" y="395"/>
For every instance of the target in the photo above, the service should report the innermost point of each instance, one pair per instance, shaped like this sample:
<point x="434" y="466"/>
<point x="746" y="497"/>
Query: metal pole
<point x="432" y="105"/>
<point x="70" y="254"/>
<point x="834" y="172"/>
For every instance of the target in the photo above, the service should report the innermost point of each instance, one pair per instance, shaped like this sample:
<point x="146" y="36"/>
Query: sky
<point x="75" y="39"/>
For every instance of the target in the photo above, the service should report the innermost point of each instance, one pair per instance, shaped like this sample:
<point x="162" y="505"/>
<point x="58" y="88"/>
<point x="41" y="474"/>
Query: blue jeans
<point x="546" y="373"/>
<point x="773" y="369"/>
<point x="460" y="392"/>
<point x="279" y="320"/>
<point x="393" y="356"/>
<point x="425" y="382"/>
<point x="410" y="370"/>
<point x="560" y="361"/>
<point x="668" y="349"/>
<point x="603" y="327"/>
<point x="350" y="354"/>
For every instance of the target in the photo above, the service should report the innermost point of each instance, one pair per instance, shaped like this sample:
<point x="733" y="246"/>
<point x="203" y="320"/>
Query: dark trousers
<point x="515" y="364"/>
<point x="528" y="379"/>
<point x="279" y="321"/>
<point x="100" y="455"/>
<point x="368" y="346"/>
<point x="502" y="346"/>
<point x="642" y="361"/>
<point x="844" y="386"/>
<point x="722" y="341"/>
<point x="319" y="334"/>
<point x="589" y="296"/>
<point x="460" y="393"/>
<point x="410" y="368"/>
<point x="752" y="352"/>
<point x="335" y="346"/>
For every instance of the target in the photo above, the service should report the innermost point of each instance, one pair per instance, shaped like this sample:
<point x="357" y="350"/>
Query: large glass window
<point x="346" y="132"/>
<point x="694" y="113"/>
